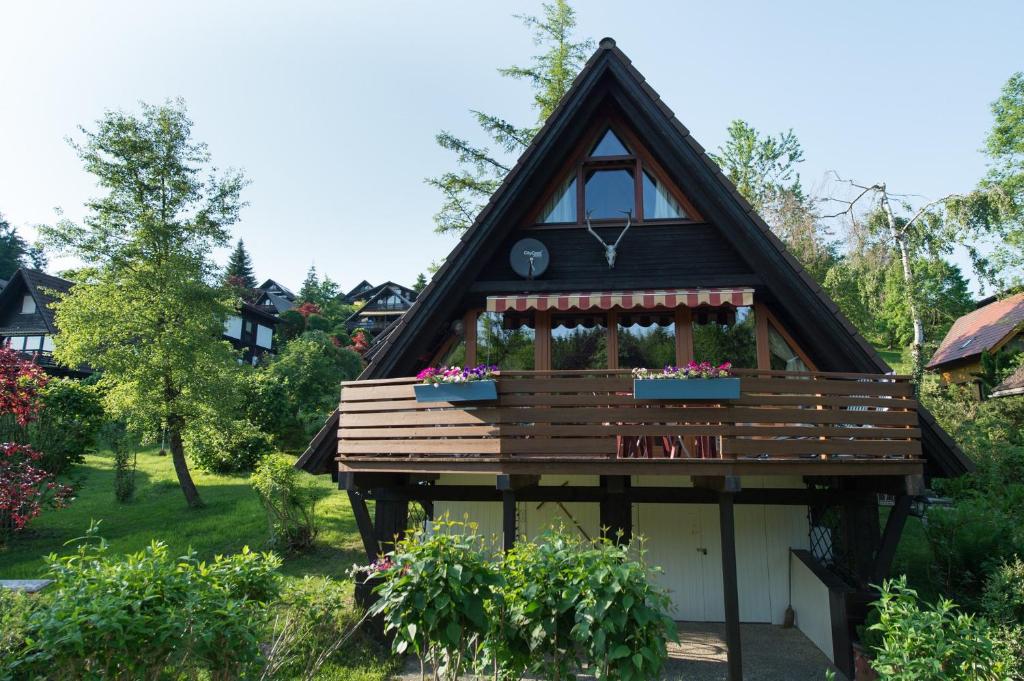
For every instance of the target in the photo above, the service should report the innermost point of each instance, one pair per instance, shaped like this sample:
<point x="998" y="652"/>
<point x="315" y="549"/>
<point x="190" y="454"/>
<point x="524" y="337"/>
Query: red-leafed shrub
<point x="20" y="383"/>
<point x="359" y="342"/>
<point x="308" y="308"/>
<point x="25" y="488"/>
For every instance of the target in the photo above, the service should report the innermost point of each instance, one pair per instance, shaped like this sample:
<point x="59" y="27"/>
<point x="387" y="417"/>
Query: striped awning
<point x="625" y="300"/>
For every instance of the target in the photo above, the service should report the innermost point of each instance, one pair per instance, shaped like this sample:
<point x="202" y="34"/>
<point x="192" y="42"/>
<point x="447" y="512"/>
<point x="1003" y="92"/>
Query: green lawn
<point x="231" y="519"/>
<point x="897" y="359"/>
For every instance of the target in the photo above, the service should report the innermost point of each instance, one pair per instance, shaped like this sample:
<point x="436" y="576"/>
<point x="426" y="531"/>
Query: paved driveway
<point x="770" y="653"/>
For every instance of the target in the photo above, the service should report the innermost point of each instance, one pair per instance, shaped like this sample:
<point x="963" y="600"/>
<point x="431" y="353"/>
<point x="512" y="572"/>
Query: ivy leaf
<point x="619" y="652"/>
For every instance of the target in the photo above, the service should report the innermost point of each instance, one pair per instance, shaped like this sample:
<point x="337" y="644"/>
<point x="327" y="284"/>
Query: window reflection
<point x="646" y="339"/>
<point x="579" y="341"/>
<point x="505" y="340"/>
<point x="609" y="193"/>
<point x="725" y="334"/>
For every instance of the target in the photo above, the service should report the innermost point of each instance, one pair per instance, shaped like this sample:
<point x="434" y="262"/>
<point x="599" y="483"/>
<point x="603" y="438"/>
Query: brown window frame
<point x="639" y="161"/>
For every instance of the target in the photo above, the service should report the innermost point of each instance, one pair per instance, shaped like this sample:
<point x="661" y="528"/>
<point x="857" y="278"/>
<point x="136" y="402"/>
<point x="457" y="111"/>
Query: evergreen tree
<point x="310" y="289"/>
<point x="15" y="252"/>
<point x="239" y="270"/>
<point x="421" y="283"/>
<point x="481" y="170"/>
<point x="145" y="315"/>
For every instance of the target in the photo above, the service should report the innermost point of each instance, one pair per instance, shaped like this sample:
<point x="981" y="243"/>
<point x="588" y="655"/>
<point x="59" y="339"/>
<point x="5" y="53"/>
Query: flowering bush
<point x="691" y="370"/>
<point x="25" y="488"/>
<point x="436" y="375"/>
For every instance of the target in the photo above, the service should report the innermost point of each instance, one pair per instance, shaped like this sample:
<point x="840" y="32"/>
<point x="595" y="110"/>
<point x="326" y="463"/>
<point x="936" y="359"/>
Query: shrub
<point x="1003" y="599"/>
<point x="289" y="497"/>
<point x="435" y="595"/>
<point x="229" y="446"/>
<point x="933" y="642"/>
<point x="134" y="616"/>
<point x="292" y="324"/>
<point x="68" y="424"/>
<point x="15" y="610"/>
<point x="318" y="322"/>
<point x="25" y="489"/>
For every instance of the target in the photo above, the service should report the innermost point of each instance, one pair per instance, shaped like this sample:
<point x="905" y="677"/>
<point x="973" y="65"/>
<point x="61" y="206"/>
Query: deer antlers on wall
<point x="610" y="251"/>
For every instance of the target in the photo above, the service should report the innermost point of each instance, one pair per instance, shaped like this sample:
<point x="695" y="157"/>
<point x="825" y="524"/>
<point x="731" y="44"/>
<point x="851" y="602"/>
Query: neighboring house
<point x="381" y="305"/>
<point x="994" y="326"/>
<point x="274" y="297"/>
<point x="1012" y="385"/>
<point x="251" y="331"/>
<point x="747" y="504"/>
<point x="26" y="317"/>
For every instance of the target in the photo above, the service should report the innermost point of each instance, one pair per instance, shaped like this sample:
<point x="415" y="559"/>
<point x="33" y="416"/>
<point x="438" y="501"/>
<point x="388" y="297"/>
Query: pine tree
<point x="310" y="291"/>
<point x="421" y="283"/>
<point x="239" y="268"/>
<point x="480" y="171"/>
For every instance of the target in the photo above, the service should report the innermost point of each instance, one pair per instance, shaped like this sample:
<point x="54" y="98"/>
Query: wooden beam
<point x="508" y="519"/>
<point x="516" y="482"/>
<point x="727" y="522"/>
<point x="764" y="356"/>
<point x="391" y="519"/>
<point x="891" y="537"/>
<point x="724" y="483"/>
<point x="364" y="525"/>
<point x="616" y="512"/>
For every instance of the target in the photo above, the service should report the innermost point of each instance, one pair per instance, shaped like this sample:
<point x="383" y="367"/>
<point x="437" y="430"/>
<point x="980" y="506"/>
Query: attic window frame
<point x="637" y="162"/>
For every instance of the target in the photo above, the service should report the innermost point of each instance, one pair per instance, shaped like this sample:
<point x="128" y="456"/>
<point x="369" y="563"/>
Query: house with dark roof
<point x="1011" y="386"/>
<point x="615" y="243"/>
<point x="27" y="320"/>
<point x="378" y="306"/>
<point x="251" y="331"/>
<point x="994" y="326"/>
<point x="273" y="297"/>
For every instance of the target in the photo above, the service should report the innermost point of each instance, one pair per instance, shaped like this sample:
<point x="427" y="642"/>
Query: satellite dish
<point x="529" y="258"/>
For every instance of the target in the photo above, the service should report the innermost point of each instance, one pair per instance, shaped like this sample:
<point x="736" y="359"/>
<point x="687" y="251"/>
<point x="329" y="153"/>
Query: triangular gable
<point x="37" y="284"/>
<point x="801" y="303"/>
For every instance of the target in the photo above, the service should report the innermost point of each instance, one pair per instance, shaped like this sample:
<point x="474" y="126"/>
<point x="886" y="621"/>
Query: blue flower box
<point x="470" y="391"/>
<point x="687" y="389"/>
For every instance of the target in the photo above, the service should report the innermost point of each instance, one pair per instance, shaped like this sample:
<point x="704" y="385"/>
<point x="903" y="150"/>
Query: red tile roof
<point x="980" y="330"/>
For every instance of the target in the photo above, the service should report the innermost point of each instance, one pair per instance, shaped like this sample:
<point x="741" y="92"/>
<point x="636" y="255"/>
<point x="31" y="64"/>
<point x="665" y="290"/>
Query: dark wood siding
<point x="648" y="257"/>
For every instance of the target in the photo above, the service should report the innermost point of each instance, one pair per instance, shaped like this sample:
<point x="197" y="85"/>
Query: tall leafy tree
<point x="481" y="168"/>
<point x="764" y="169"/>
<point x="421" y="282"/>
<point x="239" y="272"/>
<point x="145" y="312"/>
<point x="15" y="252"/>
<point x="996" y="207"/>
<point x="310" y="289"/>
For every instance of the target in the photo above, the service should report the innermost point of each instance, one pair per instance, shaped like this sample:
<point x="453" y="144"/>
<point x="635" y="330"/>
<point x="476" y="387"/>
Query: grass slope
<point x="231" y="519"/>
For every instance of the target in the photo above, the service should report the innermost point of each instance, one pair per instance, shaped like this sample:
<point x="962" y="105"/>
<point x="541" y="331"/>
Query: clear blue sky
<point x="331" y="108"/>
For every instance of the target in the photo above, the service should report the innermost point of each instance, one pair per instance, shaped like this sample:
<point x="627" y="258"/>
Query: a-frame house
<point x="745" y="503"/>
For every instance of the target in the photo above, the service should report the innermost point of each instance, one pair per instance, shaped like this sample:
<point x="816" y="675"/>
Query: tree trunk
<point x="917" y="345"/>
<point x="174" y="428"/>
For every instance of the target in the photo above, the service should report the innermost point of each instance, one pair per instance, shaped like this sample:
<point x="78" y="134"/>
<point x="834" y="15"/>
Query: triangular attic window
<point x="609" y="145"/>
<point x="658" y="202"/>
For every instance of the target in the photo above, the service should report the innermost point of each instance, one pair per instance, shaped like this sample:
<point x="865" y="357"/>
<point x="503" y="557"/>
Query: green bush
<point x="316" y="322"/>
<point x="546" y="608"/>
<point x="15" y="611"/>
<point x="142" y="615"/>
<point x="435" y="598"/>
<point x="1003" y="600"/>
<point x="67" y="426"/>
<point x="289" y="497"/>
<point x="936" y="642"/>
<point x="231" y="446"/>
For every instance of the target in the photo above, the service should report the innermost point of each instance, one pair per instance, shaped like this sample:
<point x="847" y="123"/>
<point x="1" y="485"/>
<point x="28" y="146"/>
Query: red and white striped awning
<point x="625" y="300"/>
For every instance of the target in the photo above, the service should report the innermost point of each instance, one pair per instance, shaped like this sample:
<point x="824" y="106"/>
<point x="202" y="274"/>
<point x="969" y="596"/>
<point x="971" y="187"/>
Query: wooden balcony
<point x="588" y="422"/>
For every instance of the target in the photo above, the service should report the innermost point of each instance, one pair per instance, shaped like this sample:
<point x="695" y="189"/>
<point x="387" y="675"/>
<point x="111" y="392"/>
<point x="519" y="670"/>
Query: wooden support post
<point x="364" y="524"/>
<point x="727" y="520"/>
<point x="508" y="519"/>
<point x="616" y="509"/>
<point x="891" y="537"/>
<point x="390" y="521"/>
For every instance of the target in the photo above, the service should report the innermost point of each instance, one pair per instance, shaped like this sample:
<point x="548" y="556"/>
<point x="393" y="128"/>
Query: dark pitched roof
<point x="359" y="288"/>
<point x="3" y="283"/>
<point x="609" y="74"/>
<point x="38" y="285"/>
<point x="980" y="330"/>
<point x="1013" y="385"/>
<point x="359" y="293"/>
<point x="280" y="303"/>
<point x="270" y="283"/>
<point x="259" y="313"/>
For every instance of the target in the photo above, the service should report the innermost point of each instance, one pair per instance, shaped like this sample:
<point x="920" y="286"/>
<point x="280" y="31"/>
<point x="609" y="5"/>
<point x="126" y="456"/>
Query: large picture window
<point x="646" y="339"/>
<point x="579" y="341"/>
<point x="725" y="334"/>
<point x="505" y="340"/>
